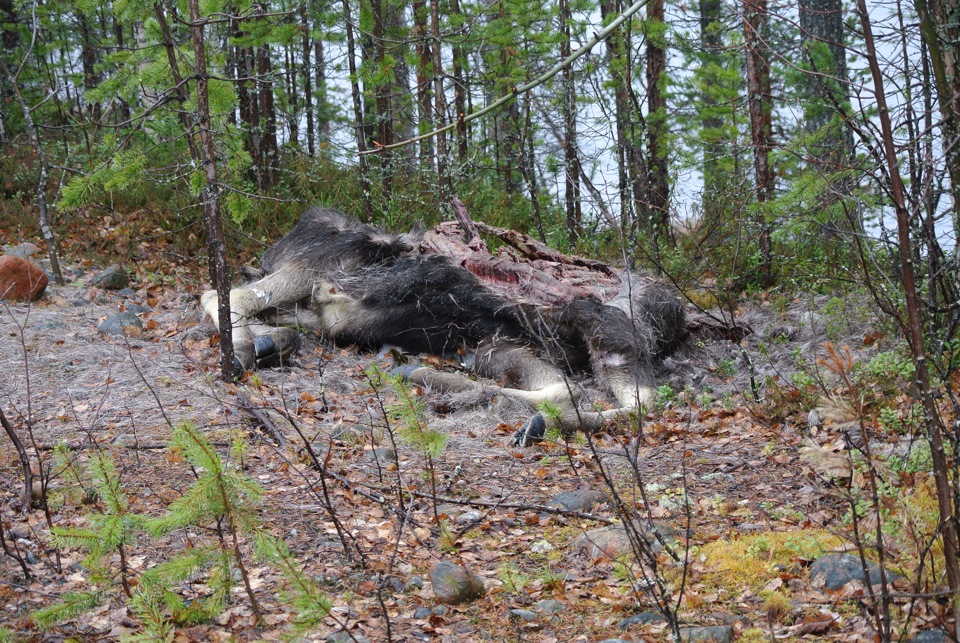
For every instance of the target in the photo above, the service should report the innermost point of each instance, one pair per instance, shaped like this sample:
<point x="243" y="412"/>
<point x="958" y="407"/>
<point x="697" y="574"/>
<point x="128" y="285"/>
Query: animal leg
<point x="255" y="343"/>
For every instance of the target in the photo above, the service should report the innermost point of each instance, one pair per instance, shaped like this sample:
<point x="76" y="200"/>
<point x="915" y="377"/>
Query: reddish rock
<point x="20" y="280"/>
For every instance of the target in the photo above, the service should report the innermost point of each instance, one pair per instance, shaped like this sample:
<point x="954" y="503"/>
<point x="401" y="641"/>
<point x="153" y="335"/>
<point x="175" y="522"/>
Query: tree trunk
<point x="307" y="81"/>
<point x="358" y="114"/>
<point x="821" y="21"/>
<point x="216" y="248"/>
<point x="932" y="420"/>
<point x="440" y="101"/>
<point x="459" y="91"/>
<point x="658" y="183"/>
<point x="759" y="99"/>
<point x="940" y="26"/>
<point x="268" y="117"/>
<point x="44" y="219"/>
<point x="424" y="80"/>
<point x="711" y="44"/>
<point x="619" y="75"/>
<point x="571" y="157"/>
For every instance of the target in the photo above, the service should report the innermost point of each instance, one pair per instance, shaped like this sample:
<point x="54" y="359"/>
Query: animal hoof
<point x="238" y="369"/>
<point x="265" y="351"/>
<point x="531" y="432"/>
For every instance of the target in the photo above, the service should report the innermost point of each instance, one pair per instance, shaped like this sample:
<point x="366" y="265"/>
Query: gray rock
<point x="468" y="517"/>
<point x="113" y="278"/>
<point x="641" y="619"/>
<point x="439" y="610"/>
<point x="612" y="541"/>
<point x="579" y="500"/>
<point x="711" y="634"/>
<point x="383" y="455"/>
<point x="935" y="635"/>
<point x="415" y="582"/>
<point x="453" y="584"/>
<point x="347" y="637"/>
<point x="125" y="323"/>
<point x="523" y="615"/>
<point x="23" y="250"/>
<point x="127" y="292"/>
<point x="138" y="309"/>
<point x="348" y="433"/>
<point x="833" y="571"/>
<point x="422" y="612"/>
<point x="549" y="606"/>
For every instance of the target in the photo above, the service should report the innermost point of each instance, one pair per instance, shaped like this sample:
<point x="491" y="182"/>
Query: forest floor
<point x="721" y="474"/>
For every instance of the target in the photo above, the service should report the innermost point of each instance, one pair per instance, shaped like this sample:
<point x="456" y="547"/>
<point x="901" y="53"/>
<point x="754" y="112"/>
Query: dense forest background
<point x="738" y="149"/>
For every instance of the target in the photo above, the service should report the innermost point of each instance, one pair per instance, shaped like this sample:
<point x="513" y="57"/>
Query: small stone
<point x="833" y="571"/>
<point x="641" y="619"/>
<point x="422" y="612"/>
<point x="347" y="637"/>
<point x="383" y="455"/>
<point x="614" y="641"/>
<point x="936" y="635"/>
<point x="127" y="292"/>
<point x="348" y="433"/>
<point x="468" y="517"/>
<point x="125" y="323"/>
<point x="453" y="584"/>
<point x="523" y="615"/>
<point x="137" y="309"/>
<point x="20" y="280"/>
<point x="439" y="610"/>
<point x="579" y="500"/>
<point x="549" y="606"/>
<point x="113" y="278"/>
<point x="415" y="582"/>
<point x="613" y="541"/>
<point x="711" y="634"/>
<point x="24" y="250"/>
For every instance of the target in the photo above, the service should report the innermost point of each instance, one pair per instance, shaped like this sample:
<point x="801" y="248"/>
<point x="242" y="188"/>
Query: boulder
<point x="113" y="278"/>
<point x="453" y="584"/>
<point x="20" y="280"/>
<point x="833" y="571"/>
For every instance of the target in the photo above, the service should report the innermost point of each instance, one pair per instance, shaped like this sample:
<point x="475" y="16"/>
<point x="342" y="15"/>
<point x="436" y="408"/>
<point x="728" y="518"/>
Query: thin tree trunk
<point x="305" y="68"/>
<point x="940" y="26"/>
<point x="710" y="124"/>
<point x="440" y="102"/>
<point x="424" y="81"/>
<point x="268" y="115"/>
<point x="932" y="419"/>
<point x="459" y="91"/>
<point x="216" y="247"/>
<point x="658" y="183"/>
<point x="43" y="215"/>
<point x="571" y="157"/>
<point x="759" y="99"/>
<point x="358" y="114"/>
<point x="620" y="80"/>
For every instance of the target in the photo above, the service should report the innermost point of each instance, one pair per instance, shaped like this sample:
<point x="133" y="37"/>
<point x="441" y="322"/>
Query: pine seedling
<point x="311" y="604"/>
<point x="410" y="415"/>
<point x="73" y="604"/>
<point x="220" y="495"/>
<point x="113" y="529"/>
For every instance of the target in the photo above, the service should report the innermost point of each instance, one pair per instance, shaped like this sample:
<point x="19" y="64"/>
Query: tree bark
<point x="914" y="329"/>
<point x="940" y="27"/>
<point x="216" y="248"/>
<point x="440" y="102"/>
<point x="570" y="154"/>
<point x="759" y="99"/>
<point x="358" y="123"/>
<point x="43" y="214"/>
<point x="658" y="183"/>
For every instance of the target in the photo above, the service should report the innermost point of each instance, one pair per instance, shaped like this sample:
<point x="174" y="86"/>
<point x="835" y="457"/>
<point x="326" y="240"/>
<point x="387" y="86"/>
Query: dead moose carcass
<point x="356" y="284"/>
